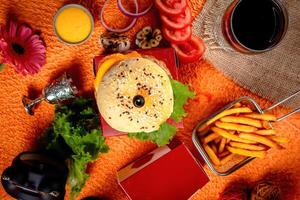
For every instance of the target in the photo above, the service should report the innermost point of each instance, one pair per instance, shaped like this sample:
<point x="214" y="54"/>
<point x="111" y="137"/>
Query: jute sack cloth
<point x="274" y="74"/>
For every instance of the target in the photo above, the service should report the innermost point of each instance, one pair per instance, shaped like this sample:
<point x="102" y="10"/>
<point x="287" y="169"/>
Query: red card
<point x="167" y="55"/>
<point x="167" y="173"/>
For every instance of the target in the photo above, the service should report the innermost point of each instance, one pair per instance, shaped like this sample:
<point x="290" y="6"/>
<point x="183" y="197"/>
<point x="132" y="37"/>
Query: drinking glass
<point x="255" y="26"/>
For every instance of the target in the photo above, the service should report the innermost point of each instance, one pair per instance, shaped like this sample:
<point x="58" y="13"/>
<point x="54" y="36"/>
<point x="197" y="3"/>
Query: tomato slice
<point x="171" y="7"/>
<point x="190" y="51"/>
<point x="178" y="22"/>
<point x="176" y="36"/>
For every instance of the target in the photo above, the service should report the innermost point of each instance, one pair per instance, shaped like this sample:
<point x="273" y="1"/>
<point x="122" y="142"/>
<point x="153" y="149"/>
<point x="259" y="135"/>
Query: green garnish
<point x="75" y="134"/>
<point x="167" y="131"/>
<point x="2" y="65"/>
<point x="160" y="137"/>
<point x="181" y="95"/>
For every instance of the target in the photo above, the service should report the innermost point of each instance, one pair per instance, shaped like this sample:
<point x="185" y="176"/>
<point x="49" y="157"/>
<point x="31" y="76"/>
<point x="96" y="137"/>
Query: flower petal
<point x="24" y="32"/>
<point x="13" y="26"/>
<point x="3" y="33"/>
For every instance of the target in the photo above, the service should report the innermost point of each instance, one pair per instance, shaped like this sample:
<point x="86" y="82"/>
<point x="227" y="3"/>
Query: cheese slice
<point x="107" y="62"/>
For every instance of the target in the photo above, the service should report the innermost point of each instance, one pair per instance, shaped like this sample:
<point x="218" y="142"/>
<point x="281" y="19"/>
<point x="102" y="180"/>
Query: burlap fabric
<point x="274" y="74"/>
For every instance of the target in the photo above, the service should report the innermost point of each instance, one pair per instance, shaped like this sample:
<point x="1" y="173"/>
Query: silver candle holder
<point x="59" y="90"/>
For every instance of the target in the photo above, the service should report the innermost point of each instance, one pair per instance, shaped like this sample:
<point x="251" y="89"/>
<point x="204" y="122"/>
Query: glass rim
<point x="72" y="5"/>
<point x="286" y="23"/>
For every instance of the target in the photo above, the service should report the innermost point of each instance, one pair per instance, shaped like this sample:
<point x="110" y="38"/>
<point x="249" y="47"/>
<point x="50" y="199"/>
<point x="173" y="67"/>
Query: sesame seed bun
<point x="135" y="95"/>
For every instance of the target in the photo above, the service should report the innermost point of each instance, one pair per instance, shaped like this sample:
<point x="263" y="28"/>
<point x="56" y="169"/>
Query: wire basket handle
<point x="281" y="102"/>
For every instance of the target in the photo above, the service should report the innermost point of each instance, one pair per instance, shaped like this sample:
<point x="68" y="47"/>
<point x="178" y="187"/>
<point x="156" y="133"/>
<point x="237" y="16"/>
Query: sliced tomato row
<point x="171" y="7"/>
<point x="180" y="21"/>
<point x="190" y="51"/>
<point x="176" y="19"/>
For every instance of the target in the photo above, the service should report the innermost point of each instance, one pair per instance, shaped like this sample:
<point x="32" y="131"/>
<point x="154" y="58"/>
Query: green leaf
<point x="166" y="131"/>
<point x="160" y="137"/>
<point x="181" y="95"/>
<point x="77" y="175"/>
<point x="2" y="65"/>
<point x="75" y="133"/>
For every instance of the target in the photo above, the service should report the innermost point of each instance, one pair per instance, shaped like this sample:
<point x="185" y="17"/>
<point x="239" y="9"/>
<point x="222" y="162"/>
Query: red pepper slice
<point x="171" y="7"/>
<point x="190" y="51"/>
<point x="177" y="36"/>
<point x="178" y="22"/>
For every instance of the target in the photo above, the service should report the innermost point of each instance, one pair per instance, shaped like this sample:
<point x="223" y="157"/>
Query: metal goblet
<point x="59" y="90"/>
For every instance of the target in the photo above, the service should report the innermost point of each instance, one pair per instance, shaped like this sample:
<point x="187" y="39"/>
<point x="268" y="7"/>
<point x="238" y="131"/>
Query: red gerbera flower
<point x="22" y="48"/>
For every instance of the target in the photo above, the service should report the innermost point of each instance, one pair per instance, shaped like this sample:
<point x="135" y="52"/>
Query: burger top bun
<point x="135" y="95"/>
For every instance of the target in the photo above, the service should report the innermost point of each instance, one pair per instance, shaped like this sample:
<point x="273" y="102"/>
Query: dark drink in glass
<point x="255" y="26"/>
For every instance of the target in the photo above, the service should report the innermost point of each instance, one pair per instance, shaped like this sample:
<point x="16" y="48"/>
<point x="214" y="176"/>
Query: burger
<point x="137" y="95"/>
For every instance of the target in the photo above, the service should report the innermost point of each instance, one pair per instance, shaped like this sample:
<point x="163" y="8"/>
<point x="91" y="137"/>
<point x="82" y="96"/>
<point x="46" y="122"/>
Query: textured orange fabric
<point x="19" y="131"/>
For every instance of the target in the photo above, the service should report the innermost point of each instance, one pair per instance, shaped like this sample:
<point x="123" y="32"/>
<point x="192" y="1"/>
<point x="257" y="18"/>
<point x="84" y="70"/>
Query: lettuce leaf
<point x="160" y="137"/>
<point x="75" y="134"/>
<point x="166" y="131"/>
<point x="181" y="95"/>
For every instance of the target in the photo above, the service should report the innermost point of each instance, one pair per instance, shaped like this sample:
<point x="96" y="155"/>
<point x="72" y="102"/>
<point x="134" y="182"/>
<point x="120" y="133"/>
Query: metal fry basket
<point x="238" y="161"/>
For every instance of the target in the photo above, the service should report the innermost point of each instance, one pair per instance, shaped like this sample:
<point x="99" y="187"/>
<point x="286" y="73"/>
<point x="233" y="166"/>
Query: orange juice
<point x="73" y="24"/>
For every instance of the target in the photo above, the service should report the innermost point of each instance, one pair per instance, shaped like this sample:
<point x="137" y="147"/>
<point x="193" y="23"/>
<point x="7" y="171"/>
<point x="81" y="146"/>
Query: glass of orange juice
<point x="73" y="24"/>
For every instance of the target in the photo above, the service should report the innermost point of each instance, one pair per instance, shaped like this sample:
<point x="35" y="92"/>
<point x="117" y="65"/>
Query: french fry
<point x="259" y="154"/>
<point x="278" y="139"/>
<point x="228" y="140"/>
<point x="214" y="148"/>
<point x="230" y="136"/>
<point x="229" y="112"/>
<point x="218" y="139"/>
<point x="242" y="120"/>
<point x="226" y="159"/>
<point x="202" y="131"/>
<point x="247" y="146"/>
<point x="211" y="137"/>
<point x="264" y="116"/>
<point x="212" y="155"/>
<point x="266" y="132"/>
<point x="224" y="153"/>
<point x="238" y="104"/>
<point x="266" y="124"/>
<point x="260" y="139"/>
<point x="222" y="145"/>
<point x="236" y="127"/>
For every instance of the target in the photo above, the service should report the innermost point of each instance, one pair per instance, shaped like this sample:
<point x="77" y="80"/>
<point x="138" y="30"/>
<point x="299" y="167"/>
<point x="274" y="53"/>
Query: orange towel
<point x="19" y="131"/>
